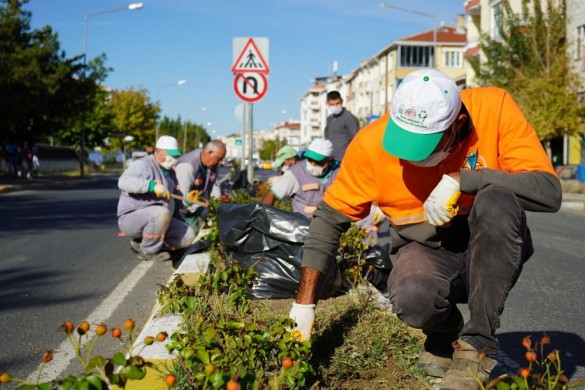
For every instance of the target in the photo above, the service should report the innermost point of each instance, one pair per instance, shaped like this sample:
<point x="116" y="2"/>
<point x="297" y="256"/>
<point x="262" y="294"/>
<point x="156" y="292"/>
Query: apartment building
<point x="487" y="16"/>
<point x="368" y="90"/>
<point x="372" y="84"/>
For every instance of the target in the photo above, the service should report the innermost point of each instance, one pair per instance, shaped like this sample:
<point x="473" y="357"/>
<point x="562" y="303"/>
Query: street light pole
<point x="130" y="7"/>
<point x="180" y="82"/>
<point x="392" y="6"/>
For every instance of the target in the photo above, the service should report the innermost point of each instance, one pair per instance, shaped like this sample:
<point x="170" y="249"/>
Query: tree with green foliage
<point x="135" y="115"/>
<point x="196" y="133"/>
<point x="531" y="61"/>
<point x="41" y="90"/>
<point x="270" y="147"/>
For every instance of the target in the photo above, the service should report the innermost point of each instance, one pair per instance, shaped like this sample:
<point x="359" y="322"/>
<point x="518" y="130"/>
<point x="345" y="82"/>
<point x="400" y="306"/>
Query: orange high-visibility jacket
<point x="500" y="139"/>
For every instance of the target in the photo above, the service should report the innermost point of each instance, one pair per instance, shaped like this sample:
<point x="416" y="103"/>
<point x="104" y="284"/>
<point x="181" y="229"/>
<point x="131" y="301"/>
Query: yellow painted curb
<point x="191" y="266"/>
<point x="154" y="380"/>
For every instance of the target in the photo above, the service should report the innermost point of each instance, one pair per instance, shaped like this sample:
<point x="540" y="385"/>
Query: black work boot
<point x="437" y="354"/>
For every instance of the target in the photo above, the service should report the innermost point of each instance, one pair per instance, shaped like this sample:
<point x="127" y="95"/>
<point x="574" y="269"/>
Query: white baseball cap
<point x="426" y="103"/>
<point x="169" y="144"/>
<point x="319" y="149"/>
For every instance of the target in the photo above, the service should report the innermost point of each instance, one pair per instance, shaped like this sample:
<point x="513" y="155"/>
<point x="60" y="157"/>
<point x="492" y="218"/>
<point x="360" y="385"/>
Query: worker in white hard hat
<point x="146" y="210"/>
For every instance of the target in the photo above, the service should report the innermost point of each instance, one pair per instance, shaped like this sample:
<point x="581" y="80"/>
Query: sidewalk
<point x="38" y="182"/>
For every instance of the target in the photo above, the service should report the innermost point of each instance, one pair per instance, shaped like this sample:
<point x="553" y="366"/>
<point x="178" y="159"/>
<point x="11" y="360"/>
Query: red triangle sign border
<point x="262" y="61"/>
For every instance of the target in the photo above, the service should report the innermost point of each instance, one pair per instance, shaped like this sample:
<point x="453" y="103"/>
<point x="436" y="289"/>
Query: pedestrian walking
<point x="341" y="125"/>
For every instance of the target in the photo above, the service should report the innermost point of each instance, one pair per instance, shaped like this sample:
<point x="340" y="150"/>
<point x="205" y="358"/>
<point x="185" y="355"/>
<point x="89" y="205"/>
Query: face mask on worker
<point x="315" y="170"/>
<point x="284" y="168"/>
<point x="433" y="160"/>
<point x="335" y="110"/>
<point x="168" y="163"/>
<point x="438" y="157"/>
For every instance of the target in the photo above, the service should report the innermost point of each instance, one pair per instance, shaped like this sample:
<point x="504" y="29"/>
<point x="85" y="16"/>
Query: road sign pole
<point x="251" y="143"/>
<point x="243" y="147"/>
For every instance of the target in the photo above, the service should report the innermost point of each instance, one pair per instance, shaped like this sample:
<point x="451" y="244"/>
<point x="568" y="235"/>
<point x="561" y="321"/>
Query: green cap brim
<point x="407" y="145"/>
<point x="279" y="161"/>
<point x="314" y="156"/>
<point x="173" y="152"/>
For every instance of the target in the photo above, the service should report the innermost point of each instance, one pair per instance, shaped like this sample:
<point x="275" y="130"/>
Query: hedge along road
<point x="61" y="259"/>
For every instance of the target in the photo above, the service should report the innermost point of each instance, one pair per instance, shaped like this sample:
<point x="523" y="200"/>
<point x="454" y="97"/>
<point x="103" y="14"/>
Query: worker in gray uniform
<point x="146" y="212"/>
<point x="197" y="170"/>
<point x="306" y="182"/>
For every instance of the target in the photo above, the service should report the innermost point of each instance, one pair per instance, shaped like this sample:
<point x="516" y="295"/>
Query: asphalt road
<point x="61" y="259"/>
<point x="549" y="295"/>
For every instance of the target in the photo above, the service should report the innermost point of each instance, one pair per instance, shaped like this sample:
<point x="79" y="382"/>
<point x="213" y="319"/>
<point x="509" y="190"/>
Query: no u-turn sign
<point x="250" y="86"/>
<point x="250" y="68"/>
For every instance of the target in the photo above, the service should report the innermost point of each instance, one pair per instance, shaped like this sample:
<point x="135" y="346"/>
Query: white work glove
<point x="304" y="316"/>
<point x="442" y="204"/>
<point x="161" y="191"/>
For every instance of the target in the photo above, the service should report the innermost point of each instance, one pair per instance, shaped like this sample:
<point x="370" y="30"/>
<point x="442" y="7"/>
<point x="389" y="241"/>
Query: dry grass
<point x="357" y="345"/>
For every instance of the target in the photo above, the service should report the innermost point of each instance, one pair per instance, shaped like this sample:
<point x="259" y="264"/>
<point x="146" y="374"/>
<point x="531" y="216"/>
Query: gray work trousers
<point x="478" y="268"/>
<point x="155" y="226"/>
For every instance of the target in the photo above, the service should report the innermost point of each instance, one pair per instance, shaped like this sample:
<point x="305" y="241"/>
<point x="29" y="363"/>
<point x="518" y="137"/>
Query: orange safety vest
<point x="500" y="139"/>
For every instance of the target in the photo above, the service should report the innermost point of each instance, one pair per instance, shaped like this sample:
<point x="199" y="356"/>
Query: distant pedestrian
<point x="341" y="125"/>
<point x="28" y="157"/>
<point x="12" y="153"/>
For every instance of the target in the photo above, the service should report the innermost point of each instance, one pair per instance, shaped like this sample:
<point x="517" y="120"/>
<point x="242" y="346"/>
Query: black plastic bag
<point x="271" y="240"/>
<point x="377" y="274"/>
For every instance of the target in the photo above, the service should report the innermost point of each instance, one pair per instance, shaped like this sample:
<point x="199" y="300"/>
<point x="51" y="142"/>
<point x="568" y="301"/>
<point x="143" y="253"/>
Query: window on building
<point x="452" y="59"/>
<point x="580" y="41"/>
<point x="497" y="20"/>
<point x="416" y="56"/>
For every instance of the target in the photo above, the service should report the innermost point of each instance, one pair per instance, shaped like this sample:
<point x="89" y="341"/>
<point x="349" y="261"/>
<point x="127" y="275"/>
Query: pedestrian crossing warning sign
<point x="250" y="55"/>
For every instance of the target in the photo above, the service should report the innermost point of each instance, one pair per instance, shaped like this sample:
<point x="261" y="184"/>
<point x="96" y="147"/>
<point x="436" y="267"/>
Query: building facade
<point x="487" y="16"/>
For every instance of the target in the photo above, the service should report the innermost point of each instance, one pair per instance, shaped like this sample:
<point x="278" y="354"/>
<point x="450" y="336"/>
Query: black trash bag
<point x="378" y="257"/>
<point x="271" y="240"/>
<point x="238" y="182"/>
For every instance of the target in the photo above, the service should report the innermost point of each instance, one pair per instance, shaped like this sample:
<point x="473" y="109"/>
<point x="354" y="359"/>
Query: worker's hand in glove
<point x="442" y="204"/>
<point x="161" y="191"/>
<point x="193" y="196"/>
<point x="304" y="316"/>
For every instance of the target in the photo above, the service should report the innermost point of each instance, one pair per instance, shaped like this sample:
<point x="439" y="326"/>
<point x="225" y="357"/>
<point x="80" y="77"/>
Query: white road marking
<point x="102" y="313"/>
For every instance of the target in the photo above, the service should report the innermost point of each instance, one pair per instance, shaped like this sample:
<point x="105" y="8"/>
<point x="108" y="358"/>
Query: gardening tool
<point x="201" y="202"/>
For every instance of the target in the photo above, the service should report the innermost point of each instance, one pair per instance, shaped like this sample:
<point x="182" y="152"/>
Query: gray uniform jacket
<point x="311" y="189"/>
<point x="340" y="130"/>
<point x="197" y="177"/>
<point x="135" y="181"/>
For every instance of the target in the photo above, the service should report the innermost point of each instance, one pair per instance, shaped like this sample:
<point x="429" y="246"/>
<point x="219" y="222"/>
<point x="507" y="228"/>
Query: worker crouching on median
<point x="146" y="212"/>
<point x="305" y="182"/>
<point x="454" y="172"/>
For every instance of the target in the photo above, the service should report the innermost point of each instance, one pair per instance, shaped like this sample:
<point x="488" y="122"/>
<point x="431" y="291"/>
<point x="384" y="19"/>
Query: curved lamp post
<point x="130" y="7"/>
<point x="180" y="82"/>
<point x="413" y="11"/>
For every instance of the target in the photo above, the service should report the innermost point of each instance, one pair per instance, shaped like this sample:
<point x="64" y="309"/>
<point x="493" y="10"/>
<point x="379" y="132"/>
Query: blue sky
<point x="171" y="40"/>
